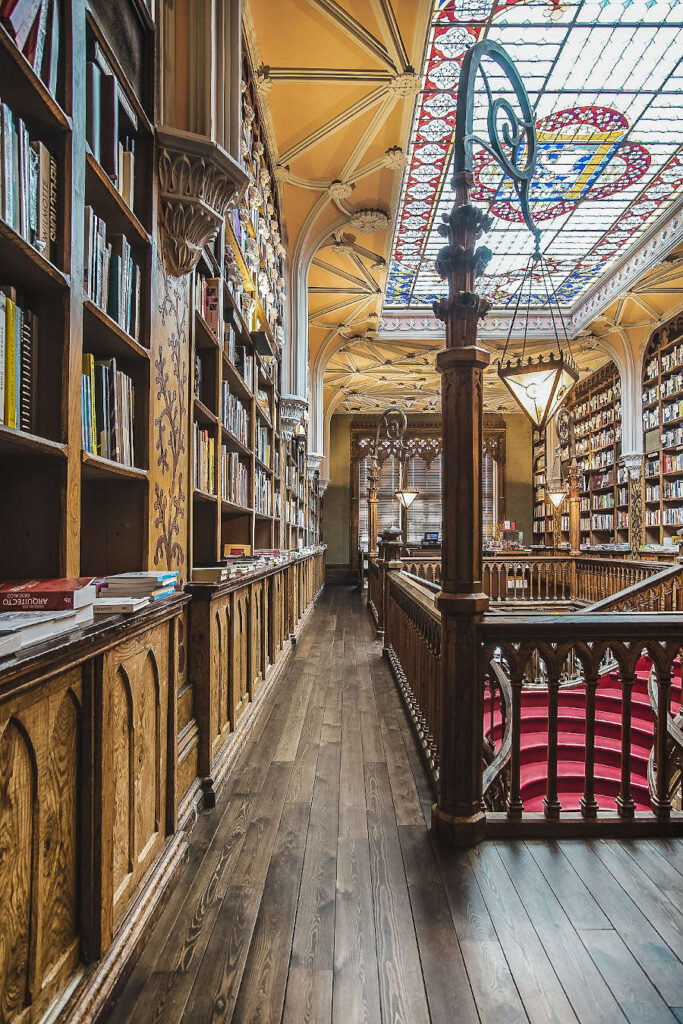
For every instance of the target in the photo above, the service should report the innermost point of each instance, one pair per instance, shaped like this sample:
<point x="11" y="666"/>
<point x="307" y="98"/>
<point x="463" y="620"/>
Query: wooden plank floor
<point x="314" y="893"/>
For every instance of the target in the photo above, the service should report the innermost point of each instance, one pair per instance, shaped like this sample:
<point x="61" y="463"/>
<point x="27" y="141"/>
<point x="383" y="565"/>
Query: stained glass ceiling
<point x="606" y="80"/>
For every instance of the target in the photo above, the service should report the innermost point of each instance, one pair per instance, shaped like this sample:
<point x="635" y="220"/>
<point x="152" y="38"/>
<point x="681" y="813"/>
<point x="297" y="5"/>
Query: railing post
<point x="634" y="465"/>
<point x="390" y="549"/>
<point x="373" y="500"/>
<point x="457" y="817"/>
<point x="515" y="806"/>
<point x="574" y="511"/>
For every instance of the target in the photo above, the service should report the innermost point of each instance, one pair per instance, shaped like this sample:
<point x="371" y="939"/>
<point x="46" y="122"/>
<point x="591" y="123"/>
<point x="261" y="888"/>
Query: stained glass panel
<point x="605" y="78"/>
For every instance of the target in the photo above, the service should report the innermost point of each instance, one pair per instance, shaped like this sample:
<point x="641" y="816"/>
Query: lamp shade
<point x="407" y="495"/>
<point x="556" y="495"/>
<point x="539" y="385"/>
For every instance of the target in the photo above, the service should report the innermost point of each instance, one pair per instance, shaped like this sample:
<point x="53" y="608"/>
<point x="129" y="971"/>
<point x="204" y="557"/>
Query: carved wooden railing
<point x="412" y="640"/>
<point x="668" y="746"/>
<point x="547" y="577"/>
<point x="661" y="591"/>
<point x="374" y="589"/>
<point x="519" y="652"/>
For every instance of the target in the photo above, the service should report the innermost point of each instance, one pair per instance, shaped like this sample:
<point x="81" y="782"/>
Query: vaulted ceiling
<point x="340" y="83"/>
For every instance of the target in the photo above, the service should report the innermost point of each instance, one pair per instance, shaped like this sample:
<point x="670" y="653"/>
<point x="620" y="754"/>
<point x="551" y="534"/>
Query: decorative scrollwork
<point x="511" y="138"/>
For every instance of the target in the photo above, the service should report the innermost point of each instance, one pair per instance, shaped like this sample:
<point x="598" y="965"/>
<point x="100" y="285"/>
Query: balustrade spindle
<point x="551" y="803"/>
<point x="625" y="804"/>
<point x="660" y="802"/>
<point x="515" y="807"/>
<point x="589" y="806"/>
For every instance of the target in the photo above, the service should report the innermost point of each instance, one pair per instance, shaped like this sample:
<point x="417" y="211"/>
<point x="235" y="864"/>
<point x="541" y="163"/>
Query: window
<point x="424" y="515"/>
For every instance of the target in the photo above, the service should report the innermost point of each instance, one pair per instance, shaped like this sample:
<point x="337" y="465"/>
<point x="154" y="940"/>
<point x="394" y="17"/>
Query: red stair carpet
<point x="571" y="740"/>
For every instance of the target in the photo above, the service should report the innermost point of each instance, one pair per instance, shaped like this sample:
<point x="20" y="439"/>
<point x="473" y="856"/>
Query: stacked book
<point x="111" y="279"/>
<point x="107" y="410"/>
<point x="263" y="444"/>
<point x="35" y="27"/>
<point x="263" y="402"/>
<point x="234" y="478"/>
<point x="204" y="447"/>
<point x="129" y="591"/>
<point x="18" y="335"/>
<point x="35" y="610"/>
<point x="28" y="185"/>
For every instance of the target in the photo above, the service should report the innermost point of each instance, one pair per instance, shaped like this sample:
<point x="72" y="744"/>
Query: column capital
<point x="633" y="463"/>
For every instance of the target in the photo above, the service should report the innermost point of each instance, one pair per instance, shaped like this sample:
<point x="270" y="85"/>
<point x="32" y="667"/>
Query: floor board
<point x="315" y="894"/>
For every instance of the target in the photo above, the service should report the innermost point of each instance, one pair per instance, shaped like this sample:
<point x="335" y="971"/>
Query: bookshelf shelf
<point x="263" y="466"/>
<point x="233" y="443"/>
<point x="109" y="204"/>
<point x="205" y="338"/>
<point x="232" y="507"/>
<point x="17" y="443"/>
<point x="235" y="380"/>
<point x="25" y="91"/>
<point x="95" y="467"/>
<point x="204" y="497"/>
<point x="21" y="263"/>
<point x="204" y="415"/>
<point x="105" y="337"/>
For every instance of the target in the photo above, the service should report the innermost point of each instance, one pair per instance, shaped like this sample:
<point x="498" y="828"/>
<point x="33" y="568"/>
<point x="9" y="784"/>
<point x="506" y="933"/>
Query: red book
<point x="46" y="595"/>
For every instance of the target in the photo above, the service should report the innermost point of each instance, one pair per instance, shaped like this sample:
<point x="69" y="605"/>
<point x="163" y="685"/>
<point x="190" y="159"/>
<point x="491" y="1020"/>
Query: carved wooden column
<point x="634" y="465"/>
<point x="574" y="510"/>
<point x="457" y="817"/>
<point x="373" y="502"/>
<point x="390" y="558"/>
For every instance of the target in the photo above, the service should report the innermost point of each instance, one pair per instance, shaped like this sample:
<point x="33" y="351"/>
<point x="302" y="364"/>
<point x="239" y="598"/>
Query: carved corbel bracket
<point x="313" y="464"/>
<point x="199" y="184"/>
<point x="323" y="484"/>
<point x="292" y="410"/>
<point x="468" y="303"/>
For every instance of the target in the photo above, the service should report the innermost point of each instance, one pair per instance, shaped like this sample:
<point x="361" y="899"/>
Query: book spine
<point x="3" y="315"/>
<point x="26" y="394"/>
<point x="54" y="601"/>
<point x="93" y="108"/>
<point x="109" y="129"/>
<point x="10" y="376"/>
<point x="53" y="209"/>
<point x="7" y="165"/>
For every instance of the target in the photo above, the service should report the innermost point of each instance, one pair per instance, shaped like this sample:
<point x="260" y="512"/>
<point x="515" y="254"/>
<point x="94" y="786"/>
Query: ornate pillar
<point x="633" y="462"/>
<point x="390" y="559"/>
<point x="457" y="817"/>
<point x="373" y="502"/>
<point x="574" y="510"/>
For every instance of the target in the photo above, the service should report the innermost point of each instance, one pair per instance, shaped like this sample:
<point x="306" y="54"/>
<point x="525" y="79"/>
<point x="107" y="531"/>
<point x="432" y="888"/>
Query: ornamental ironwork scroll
<point x="512" y="143"/>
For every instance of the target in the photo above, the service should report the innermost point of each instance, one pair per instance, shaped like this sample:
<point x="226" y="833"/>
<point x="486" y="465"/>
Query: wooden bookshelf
<point x="662" y="417"/>
<point x="69" y="511"/>
<point x="596" y="406"/>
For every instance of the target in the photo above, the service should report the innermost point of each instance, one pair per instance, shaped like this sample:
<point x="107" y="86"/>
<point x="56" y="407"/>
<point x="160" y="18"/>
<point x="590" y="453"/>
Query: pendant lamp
<point x="556" y="490"/>
<point x="539" y="384"/>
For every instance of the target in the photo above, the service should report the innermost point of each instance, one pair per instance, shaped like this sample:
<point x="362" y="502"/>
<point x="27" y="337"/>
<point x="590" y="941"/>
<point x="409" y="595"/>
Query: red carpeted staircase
<point x="571" y="740"/>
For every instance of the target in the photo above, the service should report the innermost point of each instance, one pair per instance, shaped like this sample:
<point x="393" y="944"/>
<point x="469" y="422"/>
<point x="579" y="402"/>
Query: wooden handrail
<point x="662" y="591"/>
<point x="493" y="770"/>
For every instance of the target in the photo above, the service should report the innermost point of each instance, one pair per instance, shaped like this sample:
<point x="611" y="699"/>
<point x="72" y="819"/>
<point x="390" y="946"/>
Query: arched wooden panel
<point x="226" y="662"/>
<point x="242" y="654"/>
<point x="59" y="835"/>
<point x="266" y="633"/>
<point x="122" y="773"/>
<point x="256" y="637"/>
<point x="147" y="755"/>
<point x="17" y="805"/>
<point x="221" y="675"/>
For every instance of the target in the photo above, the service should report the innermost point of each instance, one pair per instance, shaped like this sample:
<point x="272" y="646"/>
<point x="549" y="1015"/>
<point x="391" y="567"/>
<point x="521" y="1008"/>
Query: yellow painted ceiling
<point x="337" y="93"/>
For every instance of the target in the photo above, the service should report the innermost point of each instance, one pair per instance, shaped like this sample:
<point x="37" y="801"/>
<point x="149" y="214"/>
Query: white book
<point x="37" y="626"/>
<point x="117" y="605"/>
<point x="10" y="643"/>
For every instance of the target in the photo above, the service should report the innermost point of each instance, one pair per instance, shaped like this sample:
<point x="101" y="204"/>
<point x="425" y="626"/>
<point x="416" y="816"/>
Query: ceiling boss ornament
<point x="539" y="385"/>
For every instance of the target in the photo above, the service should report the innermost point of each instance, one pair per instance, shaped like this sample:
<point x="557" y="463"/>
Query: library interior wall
<point x="518" y="500"/>
<point x="337" y="495"/>
<point x="518" y="461"/>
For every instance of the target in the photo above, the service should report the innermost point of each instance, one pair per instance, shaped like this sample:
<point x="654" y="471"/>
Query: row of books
<point x="241" y="359"/>
<point x="107" y="410"/>
<point x="28" y="185"/>
<point x="208" y="300"/>
<point x="113" y="149"/>
<point x="262" y="493"/>
<point x="112" y="280"/>
<point x="35" y="27"/>
<point x="263" y="402"/>
<point x="203" y="450"/>
<point x="18" y="334"/>
<point x="263" y="443"/>
<point x="234" y="479"/>
<point x="234" y="415"/>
